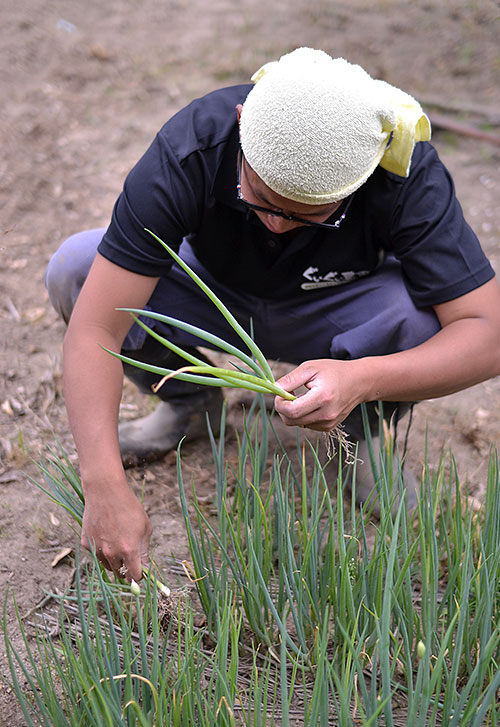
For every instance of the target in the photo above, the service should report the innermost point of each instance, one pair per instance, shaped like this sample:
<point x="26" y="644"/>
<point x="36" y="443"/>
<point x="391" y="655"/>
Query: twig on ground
<point x="440" y="121"/>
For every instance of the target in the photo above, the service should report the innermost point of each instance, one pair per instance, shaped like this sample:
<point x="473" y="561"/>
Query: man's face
<point x="255" y="191"/>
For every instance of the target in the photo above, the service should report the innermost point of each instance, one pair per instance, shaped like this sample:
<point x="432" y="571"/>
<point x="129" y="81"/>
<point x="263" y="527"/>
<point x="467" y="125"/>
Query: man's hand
<point x="117" y="527"/>
<point x="333" y="390"/>
<point x="464" y="352"/>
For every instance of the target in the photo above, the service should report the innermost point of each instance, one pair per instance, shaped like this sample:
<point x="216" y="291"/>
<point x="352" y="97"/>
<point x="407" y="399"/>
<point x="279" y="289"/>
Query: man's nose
<point x="279" y="224"/>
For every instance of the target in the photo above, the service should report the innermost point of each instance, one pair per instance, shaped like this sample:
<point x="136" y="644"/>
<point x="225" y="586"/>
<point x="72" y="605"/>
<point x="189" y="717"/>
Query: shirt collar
<point x="224" y="184"/>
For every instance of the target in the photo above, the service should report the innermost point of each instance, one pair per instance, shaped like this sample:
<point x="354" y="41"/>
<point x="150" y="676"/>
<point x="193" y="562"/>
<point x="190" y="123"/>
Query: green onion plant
<point x="253" y="373"/>
<point x="315" y="615"/>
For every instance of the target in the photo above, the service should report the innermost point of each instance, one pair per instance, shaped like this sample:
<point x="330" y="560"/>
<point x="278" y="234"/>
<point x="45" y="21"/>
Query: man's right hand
<point x="117" y="527"/>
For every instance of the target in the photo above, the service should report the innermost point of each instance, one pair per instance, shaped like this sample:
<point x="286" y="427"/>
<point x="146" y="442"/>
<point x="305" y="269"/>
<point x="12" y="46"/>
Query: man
<point x="312" y="204"/>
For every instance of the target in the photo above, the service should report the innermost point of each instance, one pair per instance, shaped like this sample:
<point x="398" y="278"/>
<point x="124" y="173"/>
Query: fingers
<point x="310" y="419"/>
<point x="306" y="410"/>
<point x="118" y="533"/>
<point x="296" y="378"/>
<point x="328" y="399"/>
<point x="315" y="425"/>
<point x="311" y="410"/>
<point x="125" y="565"/>
<point x="134" y="568"/>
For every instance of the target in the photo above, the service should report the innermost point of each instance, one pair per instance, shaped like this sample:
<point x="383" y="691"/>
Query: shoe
<point x="150" y="438"/>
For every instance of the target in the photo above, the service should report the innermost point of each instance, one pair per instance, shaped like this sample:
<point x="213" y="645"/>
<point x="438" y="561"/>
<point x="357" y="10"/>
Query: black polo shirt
<point x="185" y="186"/>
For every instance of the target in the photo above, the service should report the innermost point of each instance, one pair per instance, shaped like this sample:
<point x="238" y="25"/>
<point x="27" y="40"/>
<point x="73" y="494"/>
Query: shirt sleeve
<point x="440" y="255"/>
<point x="162" y="195"/>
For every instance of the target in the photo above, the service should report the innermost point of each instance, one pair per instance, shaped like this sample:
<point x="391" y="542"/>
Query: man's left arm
<point x="464" y="352"/>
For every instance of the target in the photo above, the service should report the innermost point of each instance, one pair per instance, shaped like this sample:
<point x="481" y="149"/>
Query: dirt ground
<point x="84" y="88"/>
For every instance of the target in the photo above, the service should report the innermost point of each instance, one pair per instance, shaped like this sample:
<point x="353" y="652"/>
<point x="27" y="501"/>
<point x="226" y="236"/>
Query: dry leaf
<point x="10" y="476"/>
<point x="7" y="408"/>
<point x="101" y="53"/>
<point x="32" y="315"/>
<point x="54" y="520"/>
<point x="12" y="309"/>
<point x="60" y="556"/>
<point x="18" y="264"/>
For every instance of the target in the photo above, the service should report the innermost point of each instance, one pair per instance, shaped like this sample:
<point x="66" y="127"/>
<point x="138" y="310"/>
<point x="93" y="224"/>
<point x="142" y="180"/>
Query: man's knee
<point x="397" y="327"/>
<point x="68" y="269"/>
<point x="415" y="325"/>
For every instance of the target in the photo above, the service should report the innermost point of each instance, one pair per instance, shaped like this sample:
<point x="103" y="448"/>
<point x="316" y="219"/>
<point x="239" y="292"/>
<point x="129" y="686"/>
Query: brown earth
<point x="84" y="88"/>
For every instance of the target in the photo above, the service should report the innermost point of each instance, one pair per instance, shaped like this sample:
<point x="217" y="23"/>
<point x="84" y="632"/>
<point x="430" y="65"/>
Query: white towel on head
<point x="314" y="128"/>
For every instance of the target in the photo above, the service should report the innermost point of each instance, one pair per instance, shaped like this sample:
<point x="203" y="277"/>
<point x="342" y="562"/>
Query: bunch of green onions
<point x="255" y="374"/>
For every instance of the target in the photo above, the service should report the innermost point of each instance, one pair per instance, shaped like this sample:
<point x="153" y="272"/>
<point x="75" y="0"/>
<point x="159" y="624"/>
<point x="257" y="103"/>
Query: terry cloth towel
<point x="314" y="127"/>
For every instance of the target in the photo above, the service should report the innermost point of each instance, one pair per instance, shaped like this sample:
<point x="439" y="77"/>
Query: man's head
<point x="314" y="128"/>
<point x="278" y="213"/>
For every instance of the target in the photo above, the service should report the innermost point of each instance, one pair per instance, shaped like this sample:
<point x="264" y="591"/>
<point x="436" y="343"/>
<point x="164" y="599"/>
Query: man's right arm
<point x="114" y="520"/>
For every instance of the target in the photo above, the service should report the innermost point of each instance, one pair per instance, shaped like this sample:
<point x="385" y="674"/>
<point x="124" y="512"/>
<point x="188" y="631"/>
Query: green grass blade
<point x="238" y="378"/>
<point x="221" y="307"/>
<point x="211" y="338"/>
<point x="161" y="371"/>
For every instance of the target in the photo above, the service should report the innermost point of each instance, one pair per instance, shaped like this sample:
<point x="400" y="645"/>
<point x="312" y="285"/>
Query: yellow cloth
<point x="412" y="125"/>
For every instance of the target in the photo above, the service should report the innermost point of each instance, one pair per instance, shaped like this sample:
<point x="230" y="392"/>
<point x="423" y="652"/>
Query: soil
<point x="85" y="86"/>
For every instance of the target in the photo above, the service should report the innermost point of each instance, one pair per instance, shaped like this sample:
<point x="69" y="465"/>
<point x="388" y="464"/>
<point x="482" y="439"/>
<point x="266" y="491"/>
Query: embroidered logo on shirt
<point x="331" y="279"/>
